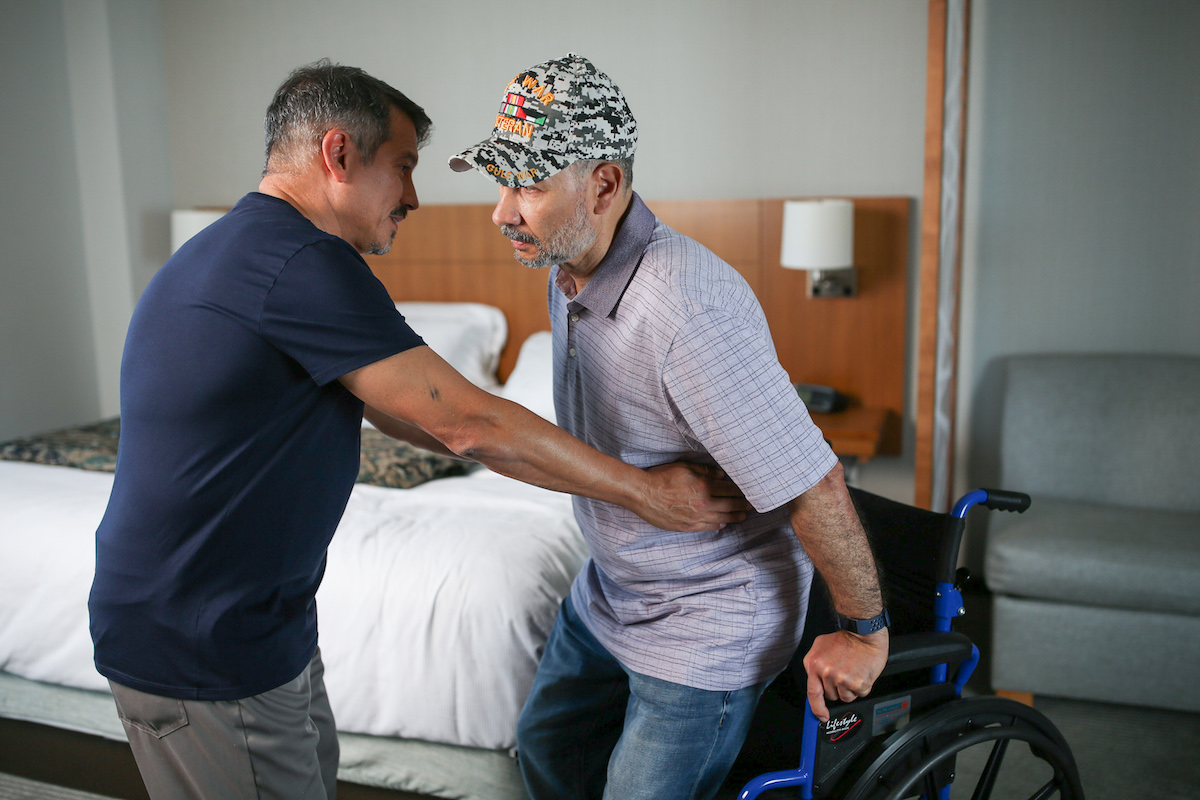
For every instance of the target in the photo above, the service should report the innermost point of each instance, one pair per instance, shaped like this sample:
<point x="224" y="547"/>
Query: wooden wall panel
<point x="854" y="344"/>
<point x="455" y="253"/>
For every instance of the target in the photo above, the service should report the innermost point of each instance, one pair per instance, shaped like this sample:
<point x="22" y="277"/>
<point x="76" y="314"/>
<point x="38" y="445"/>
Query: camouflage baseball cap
<point x="553" y="114"/>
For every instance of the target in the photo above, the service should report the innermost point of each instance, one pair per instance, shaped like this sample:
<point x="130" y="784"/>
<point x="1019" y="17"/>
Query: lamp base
<point x="833" y="282"/>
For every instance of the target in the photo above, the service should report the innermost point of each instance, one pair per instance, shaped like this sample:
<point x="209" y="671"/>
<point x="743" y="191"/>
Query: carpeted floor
<point x="14" y="788"/>
<point x="1124" y="752"/>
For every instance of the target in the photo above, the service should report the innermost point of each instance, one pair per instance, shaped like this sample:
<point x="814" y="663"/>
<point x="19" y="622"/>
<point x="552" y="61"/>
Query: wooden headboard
<point x="856" y="345"/>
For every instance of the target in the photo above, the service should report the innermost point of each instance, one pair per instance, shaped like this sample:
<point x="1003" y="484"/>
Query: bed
<point x="426" y="666"/>
<point x="442" y="583"/>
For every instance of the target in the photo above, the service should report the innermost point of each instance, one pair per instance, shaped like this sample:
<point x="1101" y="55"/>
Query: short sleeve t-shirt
<point x="238" y="452"/>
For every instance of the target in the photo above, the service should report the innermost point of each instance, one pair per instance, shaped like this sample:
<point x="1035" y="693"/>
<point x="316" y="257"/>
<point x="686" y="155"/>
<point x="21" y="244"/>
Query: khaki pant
<point x="280" y="744"/>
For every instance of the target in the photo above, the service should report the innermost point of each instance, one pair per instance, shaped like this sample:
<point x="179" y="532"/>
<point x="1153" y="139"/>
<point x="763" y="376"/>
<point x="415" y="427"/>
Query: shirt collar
<point x="604" y="289"/>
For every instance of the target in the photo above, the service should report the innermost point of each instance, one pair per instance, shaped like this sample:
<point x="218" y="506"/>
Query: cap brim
<point x="509" y="163"/>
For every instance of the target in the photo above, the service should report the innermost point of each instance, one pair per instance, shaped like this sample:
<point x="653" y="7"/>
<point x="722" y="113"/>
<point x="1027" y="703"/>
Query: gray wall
<point x="83" y="219"/>
<point x="1084" y="190"/>
<point x="47" y="362"/>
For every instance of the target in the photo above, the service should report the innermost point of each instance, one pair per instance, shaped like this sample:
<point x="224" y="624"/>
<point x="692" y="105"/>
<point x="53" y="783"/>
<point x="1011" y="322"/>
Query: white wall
<point x="734" y="99"/>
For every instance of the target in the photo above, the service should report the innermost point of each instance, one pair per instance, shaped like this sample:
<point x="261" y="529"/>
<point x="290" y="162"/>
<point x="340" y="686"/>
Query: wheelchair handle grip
<point x="1001" y="500"/>
<point x="997" y="499"/>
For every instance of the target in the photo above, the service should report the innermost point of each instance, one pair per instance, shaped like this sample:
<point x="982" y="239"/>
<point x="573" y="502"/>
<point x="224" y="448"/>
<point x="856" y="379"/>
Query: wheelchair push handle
<point x="998" y="499"/>
<point x="1001" y="500"/>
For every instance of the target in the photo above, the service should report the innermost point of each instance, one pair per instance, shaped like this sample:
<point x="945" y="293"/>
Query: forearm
<point x="511" y="440"/>
<point x="405" y="432"/>
<point x="429" y="402"/>
<point x="825" y="521"/>
<point x="455" y="418"/>
<point x="842" y="665"/>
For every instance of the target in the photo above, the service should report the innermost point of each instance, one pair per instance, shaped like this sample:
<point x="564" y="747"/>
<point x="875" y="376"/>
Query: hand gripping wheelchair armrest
<point x="896" y="696"/>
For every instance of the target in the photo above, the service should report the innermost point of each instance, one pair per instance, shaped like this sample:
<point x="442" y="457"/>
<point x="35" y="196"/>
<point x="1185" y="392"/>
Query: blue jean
<point x="594" y="729"/>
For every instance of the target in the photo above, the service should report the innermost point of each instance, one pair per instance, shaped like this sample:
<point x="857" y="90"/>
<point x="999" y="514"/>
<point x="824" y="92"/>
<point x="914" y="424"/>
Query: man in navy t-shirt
<point x="247" y="364"/>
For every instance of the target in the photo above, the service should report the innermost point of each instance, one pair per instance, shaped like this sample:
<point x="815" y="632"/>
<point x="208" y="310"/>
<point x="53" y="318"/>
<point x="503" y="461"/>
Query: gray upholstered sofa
<point x="1096" y="589"/>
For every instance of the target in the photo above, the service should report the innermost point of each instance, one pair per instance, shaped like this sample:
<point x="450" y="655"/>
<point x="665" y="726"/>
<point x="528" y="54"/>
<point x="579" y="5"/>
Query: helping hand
<point x="692" y="497"/>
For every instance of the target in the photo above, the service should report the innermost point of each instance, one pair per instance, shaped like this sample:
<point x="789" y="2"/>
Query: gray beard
<point x="564" y="244"/>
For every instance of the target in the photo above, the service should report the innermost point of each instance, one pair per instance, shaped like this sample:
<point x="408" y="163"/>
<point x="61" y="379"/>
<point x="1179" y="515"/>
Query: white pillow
<point x="531" y="383"/>
<point x="469" y="336"/>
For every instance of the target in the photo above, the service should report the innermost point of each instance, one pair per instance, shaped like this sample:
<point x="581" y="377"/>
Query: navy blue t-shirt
<point x="239" y="448"/>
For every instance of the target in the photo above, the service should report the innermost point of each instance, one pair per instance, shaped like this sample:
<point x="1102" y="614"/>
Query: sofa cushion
<point x="1097" y="555"/>
<point x="1117" y="429"/>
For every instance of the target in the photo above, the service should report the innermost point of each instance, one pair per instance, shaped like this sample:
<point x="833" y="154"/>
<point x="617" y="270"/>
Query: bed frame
<point x="94" y="764"/>
<point x="455" y="253"/>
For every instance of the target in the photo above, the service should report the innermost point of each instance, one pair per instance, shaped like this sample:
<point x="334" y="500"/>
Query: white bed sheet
<point x="434" y="608"/>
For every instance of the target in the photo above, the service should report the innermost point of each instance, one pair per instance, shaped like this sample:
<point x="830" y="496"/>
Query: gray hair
<point x="581" y="168"/>
<point x="320" y="96"/>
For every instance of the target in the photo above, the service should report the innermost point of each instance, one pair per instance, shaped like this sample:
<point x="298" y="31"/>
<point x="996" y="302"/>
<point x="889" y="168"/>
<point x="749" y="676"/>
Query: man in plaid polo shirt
<point x="661" y="652"/>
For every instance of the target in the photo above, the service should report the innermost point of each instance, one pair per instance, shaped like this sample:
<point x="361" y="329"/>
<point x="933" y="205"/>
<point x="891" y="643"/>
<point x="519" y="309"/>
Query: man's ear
<point x="607" y="181"/>
<point x="336" y="148"/>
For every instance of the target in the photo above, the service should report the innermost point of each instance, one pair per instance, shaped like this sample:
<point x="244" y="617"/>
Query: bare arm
<point x="397" y="429"/>
<point x="422" y="392"/>
<point x="840" y="665"/>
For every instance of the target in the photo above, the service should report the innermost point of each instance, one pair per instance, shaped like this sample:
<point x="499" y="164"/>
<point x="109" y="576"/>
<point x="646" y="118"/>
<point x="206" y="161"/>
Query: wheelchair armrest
<point x="922" y="650"/>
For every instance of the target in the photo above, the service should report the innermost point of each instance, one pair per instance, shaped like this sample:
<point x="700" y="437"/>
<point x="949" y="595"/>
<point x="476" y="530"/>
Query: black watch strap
<point x="863" y="627"/>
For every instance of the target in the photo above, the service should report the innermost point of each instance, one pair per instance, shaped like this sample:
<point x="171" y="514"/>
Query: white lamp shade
<point x="818" y="234"/>
<point x="187" y="222"/>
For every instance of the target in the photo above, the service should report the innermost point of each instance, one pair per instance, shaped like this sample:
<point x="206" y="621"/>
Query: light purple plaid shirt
<point x="665" y="355"/>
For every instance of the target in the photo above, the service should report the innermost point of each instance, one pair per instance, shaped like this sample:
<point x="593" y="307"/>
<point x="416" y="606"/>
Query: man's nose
<point x="410" y="197"/>
<point x="505" y="212"/>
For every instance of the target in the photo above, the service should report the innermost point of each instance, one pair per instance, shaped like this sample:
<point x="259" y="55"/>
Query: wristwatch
<point x="863" y="627"/>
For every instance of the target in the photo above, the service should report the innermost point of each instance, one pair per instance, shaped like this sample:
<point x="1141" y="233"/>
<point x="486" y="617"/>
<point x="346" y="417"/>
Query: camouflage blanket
<point x="384" y="461"/>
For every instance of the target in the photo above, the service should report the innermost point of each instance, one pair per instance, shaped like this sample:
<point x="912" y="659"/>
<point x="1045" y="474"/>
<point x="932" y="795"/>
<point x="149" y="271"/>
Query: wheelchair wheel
<point x="966" y="745"/>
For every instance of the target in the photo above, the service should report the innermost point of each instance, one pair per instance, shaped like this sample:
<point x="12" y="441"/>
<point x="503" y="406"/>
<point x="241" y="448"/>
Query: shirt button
<point x="571" y="352"/>
<point x="574" y="318"/>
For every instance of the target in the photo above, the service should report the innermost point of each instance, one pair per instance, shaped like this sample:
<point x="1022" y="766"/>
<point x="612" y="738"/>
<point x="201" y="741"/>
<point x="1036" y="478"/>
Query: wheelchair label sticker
<point x="891" y="714"/>
<point x="837" y="728"/>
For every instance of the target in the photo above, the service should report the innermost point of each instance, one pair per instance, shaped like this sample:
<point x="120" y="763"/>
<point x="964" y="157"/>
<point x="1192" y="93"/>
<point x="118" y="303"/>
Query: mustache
<point x="401" y="212"/>
<point x="514" y="234"/>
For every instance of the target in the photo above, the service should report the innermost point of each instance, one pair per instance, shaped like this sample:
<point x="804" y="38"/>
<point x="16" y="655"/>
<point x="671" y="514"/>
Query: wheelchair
<point x="915" y="735"/>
